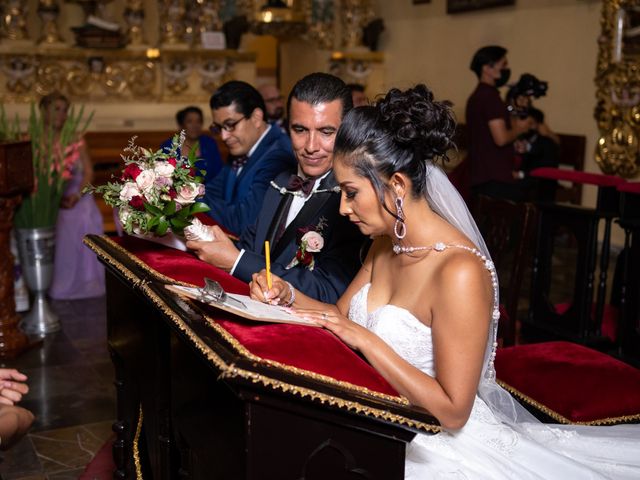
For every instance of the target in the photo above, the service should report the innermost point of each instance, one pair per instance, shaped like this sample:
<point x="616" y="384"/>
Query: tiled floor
<point x="71" y="394"/>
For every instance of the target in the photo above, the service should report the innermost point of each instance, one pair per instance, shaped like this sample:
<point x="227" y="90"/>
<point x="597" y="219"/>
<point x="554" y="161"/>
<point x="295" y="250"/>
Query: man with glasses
<point x="275" y="105"/>
<point x="258" y="152"/>
<point x="300" y="209"/>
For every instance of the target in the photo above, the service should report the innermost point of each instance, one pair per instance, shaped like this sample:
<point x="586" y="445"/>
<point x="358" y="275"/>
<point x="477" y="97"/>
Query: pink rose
<point x="129" y="190"/>
<point x="145" y="180"/>
<point x="187" y="193"/>
<point x="313" y="240"/>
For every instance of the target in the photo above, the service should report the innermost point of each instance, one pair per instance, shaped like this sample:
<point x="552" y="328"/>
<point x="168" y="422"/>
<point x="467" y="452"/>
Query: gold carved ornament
<point x="617" y="81"/>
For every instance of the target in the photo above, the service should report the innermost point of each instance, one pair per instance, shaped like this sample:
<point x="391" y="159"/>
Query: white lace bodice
<point x="398" y="327"/>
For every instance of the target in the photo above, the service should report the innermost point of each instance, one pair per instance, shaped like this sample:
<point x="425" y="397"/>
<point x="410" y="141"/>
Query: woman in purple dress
<point x="77" y="272"/>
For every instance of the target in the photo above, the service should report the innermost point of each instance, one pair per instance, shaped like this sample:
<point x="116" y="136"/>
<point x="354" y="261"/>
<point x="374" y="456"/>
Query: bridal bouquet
<point x="157" y="192"/>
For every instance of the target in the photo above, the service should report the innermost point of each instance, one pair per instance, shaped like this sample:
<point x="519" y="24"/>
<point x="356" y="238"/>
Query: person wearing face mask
<point x="492" y="130"/>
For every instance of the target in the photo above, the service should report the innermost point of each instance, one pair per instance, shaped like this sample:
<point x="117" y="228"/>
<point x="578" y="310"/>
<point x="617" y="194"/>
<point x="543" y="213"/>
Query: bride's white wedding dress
<point x="487" y="448"/>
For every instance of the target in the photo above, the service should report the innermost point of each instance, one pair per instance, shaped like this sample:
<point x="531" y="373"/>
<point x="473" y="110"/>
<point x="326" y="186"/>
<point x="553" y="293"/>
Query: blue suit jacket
<point x="209" y="161"/>
<point x="335" y="265"/>
<point x="235" y="200"/>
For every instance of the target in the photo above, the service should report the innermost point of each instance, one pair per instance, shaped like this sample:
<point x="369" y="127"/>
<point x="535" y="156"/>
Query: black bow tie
<point x="297" y="183"/>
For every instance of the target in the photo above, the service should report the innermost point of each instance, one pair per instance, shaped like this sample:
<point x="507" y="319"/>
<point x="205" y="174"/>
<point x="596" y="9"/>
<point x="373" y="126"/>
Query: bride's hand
<point x="279" y="294"/>
<point x="349" y="332"/>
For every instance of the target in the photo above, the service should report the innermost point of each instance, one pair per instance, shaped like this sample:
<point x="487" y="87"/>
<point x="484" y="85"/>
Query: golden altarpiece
<point x="165" y="51"/>
<point x="618" y="89"/>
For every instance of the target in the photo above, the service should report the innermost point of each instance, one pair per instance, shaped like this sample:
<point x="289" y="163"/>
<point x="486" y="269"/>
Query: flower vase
<point x="37" y="248"/>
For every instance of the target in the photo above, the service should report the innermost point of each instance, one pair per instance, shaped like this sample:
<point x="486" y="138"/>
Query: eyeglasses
<point x="228" y="126"/>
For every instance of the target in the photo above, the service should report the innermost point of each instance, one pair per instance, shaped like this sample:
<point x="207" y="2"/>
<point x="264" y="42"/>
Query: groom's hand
<point x="221" y="252"/>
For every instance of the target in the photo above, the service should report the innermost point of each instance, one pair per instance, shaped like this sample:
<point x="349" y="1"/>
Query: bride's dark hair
<point x="402" y="133"/>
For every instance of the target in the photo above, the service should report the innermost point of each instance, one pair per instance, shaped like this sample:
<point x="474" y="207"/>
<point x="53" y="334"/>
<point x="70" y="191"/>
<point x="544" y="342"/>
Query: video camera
<point x="527" y="86"/>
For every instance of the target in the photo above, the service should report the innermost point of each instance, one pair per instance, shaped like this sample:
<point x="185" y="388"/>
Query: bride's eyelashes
<point x="350" y="194"/>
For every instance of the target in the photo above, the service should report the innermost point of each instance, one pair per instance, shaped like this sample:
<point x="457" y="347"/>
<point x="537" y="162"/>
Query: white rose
<point x="187" y="193"/>
<point x="128" y="191"/>
<point x="123" y="214"/>
<point x="314" y="241"/>
<point x="164" y="169"/>
<point x="146" y="179"/>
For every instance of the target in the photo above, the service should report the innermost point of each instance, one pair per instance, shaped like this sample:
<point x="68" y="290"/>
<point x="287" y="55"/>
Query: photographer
<point x="492" y="129"/>
<point x="536" y="150"/>
<point x="520" y="99"/>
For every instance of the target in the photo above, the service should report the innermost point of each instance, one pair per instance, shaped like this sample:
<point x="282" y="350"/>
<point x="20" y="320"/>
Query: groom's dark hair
<point x="317" y="88"/>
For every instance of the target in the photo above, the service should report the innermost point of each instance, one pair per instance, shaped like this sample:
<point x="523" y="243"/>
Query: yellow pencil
<point x="267" y="255"/>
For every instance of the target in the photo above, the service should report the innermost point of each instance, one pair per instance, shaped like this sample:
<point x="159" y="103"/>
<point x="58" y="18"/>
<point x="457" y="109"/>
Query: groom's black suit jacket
<point x="335" y="265"/>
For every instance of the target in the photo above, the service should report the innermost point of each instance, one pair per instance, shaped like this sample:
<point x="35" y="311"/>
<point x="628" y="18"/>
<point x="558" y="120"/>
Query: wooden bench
<point x="105" y="150"/>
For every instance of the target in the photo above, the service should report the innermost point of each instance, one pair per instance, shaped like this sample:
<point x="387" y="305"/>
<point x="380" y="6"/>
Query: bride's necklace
<point x="438" y="247"/>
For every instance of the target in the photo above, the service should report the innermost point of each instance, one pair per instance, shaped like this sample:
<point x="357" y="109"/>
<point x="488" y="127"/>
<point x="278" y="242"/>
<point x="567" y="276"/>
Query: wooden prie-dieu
<point x="202" y="394"/>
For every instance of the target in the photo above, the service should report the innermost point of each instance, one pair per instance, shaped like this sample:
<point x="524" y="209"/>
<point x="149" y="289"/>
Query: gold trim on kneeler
<point x="560" y="418"/>
<point x="242" y="350"/>
<point x="232" y="371"/>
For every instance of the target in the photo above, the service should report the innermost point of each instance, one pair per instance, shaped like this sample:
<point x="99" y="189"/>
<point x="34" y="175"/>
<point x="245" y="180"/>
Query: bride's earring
<point x="400" y="228"/>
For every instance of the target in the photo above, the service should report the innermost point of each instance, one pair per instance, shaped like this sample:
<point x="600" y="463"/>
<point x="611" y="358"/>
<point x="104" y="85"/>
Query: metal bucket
<point x="37" y="248"/>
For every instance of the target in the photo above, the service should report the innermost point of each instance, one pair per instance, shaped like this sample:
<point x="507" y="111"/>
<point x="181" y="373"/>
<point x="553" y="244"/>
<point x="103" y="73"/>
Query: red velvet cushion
<point x="179" y="265"/>
<point x="577" y="176"/>
<point x="630" y="187"/>
<point x="570" y="382"/>
<point x="102" y="466"/>
<point x="308" y="348"/>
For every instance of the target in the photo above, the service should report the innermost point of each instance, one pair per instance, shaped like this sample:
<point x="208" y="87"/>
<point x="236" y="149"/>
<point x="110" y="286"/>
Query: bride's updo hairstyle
<point x="405" y="132"/>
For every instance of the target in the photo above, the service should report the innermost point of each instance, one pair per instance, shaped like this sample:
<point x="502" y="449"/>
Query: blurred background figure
<point x="76" y="271"/>
<point x="492" y="128"/>
<point x="191" y="120"/>
<point x="536" y="150"/>
<point x="358" y="96"/>
<point x="274" y="102"/>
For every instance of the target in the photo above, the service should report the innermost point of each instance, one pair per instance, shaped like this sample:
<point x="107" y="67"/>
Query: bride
<point x="423" y="309"/>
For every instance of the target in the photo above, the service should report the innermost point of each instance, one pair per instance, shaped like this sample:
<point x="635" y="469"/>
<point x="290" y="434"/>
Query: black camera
<point x="527" y="86"/>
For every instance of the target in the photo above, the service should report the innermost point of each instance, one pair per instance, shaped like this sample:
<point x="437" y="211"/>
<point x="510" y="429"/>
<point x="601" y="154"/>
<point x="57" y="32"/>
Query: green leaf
<point x="163" y="226"/>
<point x="179" y="222"/>
<point x="183" y="213"/>
<point x="199" y="207"/>
<point x="170" y="209"/>
<point x="153" y="222"/>
<point x="153" y="210"/>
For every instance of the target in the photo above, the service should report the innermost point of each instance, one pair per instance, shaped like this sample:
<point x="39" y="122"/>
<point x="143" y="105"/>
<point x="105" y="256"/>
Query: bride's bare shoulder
<point x="463" y="269"/>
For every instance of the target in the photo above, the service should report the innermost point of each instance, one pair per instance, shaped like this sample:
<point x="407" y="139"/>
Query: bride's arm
<point x="281" y="290"/>
<point x="460" y="321"/>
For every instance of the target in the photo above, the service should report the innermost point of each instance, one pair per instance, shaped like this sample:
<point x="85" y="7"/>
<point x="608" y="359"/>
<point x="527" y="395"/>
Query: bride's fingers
<point x="318" y="316"/>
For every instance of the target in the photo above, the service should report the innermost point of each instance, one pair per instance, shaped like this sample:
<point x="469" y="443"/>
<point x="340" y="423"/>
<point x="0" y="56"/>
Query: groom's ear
<point x="399" y="184"/>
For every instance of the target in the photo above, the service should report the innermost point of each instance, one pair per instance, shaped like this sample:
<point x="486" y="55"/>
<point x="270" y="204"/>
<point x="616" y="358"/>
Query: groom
<point x="300" y="209"/>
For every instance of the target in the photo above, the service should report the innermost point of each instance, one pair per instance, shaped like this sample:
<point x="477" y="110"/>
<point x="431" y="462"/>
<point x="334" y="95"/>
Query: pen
<point x="267" y="255"/>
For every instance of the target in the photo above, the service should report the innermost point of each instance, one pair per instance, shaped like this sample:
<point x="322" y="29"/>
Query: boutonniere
<point x="310" y="241"/>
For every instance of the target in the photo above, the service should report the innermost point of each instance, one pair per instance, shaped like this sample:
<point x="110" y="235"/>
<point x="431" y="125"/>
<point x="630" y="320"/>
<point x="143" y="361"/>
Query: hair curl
<point x="402" y="133"/>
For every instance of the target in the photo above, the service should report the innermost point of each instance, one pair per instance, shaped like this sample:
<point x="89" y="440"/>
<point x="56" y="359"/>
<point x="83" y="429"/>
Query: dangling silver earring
<point x="399" y="228"/>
